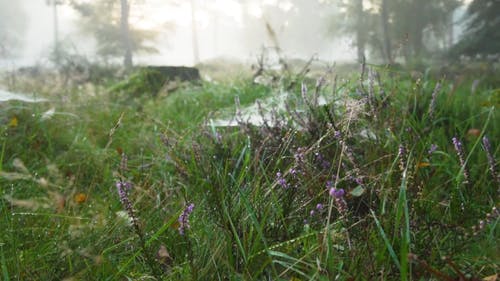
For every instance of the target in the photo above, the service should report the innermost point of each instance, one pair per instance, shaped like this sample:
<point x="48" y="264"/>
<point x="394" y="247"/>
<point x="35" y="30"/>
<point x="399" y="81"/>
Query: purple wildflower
<point x="319" y="206"/>
<point x="491" y="159"/>
<point x="432" y="149"/>
<point x="432" y="105"/>
<point x="337" y="192"/>
<point x="312" y="212"/>
<point x="300" y="154"/>
<point x="329" y="184"/>
<point x="124" y="163"/>
<point x="359" y="181"/>
<point x="123" y="188"/>
<point x="461" y="157"/>
<point x="402" y="157"/>
<point x="281" y="180"/>
<point x="184" y="219"/>
<point x="338" y="195"/>
<point x="337" y="135"/>
<point x="324" y="164"/>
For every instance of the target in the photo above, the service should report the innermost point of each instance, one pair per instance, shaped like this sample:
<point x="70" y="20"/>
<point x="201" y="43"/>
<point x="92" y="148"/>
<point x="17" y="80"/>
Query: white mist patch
<point x="7" y="96"/>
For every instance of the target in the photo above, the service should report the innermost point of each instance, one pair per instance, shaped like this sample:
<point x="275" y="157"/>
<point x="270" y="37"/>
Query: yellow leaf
<point x="491" y="278"/>
<point x="80" y="198"/>
<point x="423" y="164"/>
<point x="13" y="122"/>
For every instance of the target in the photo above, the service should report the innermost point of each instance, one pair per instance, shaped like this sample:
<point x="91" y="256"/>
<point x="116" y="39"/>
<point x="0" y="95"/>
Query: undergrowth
<point x="379" y="176"/>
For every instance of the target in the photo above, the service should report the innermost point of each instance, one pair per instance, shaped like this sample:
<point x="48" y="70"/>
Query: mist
<point x="189" y="32"/>
<point x="220" y="26"/>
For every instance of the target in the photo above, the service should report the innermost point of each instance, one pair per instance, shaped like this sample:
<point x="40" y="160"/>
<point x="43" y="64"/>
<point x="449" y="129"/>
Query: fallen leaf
<point x="474" y="132"/>
<point x="19" y="165"/>
<point x="14" y="176"/>
<point x="423" y="164"/>
<point x="164" y="257"/>
<point x="59" y="201"/>
<point x="491" y="278"/>
<point x="13" y="122"/>
<point x="28" y="204"/>
<point x="80" y="198"/>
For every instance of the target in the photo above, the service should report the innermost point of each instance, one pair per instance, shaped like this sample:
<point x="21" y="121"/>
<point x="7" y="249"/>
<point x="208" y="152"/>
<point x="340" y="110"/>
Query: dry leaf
<point x="14" y="176"/>
<point x="491" y="278"/>
<point x="13" y="122"/>
<point x="80" y="198"/>
<point x="423" y="164"/>
<point x="59" y="200"/>
<point x="474" y="132"/>
<point x="19" y="165"/>
<point x="164" y="257"/>
<point x="28" y="204"/>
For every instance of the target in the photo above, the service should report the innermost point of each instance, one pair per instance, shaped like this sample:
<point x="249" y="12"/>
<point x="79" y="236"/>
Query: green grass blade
<point x="386" y="241"/>
<point x="5" y="271"/>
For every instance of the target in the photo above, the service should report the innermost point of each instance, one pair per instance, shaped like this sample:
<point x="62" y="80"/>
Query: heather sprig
<point x="338" y="196"/>
<point x="491" y="160"/>
<point x="123" y="187"/>
<point x="280" y="179"/>
<point x="184" y="219"/>
<point x="432" y="105"/>
<point x="461" y="157"/>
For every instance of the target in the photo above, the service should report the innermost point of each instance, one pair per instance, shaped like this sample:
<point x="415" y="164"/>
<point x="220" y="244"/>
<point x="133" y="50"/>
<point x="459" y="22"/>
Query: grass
<point x="402" y="211"/>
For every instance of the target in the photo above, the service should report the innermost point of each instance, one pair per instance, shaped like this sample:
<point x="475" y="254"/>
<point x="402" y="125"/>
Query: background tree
<point x="482" y="32"/>
<point x="350" y="18"/>
<point x="393" y="28"/>
<point x="12" y="27"/>
<point x="109" y="24"/>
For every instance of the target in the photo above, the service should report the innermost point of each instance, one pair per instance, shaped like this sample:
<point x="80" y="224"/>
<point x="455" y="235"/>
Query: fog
<point x="219" y="26"/>
<point x="232" y="29"/>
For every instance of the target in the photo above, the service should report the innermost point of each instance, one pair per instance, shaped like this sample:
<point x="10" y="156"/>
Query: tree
<point x="125" y="32"/>
<point x="385" y="23"/>
<point x="12" y="27"/>
<point x="109" y="24"/>
<point x="352" y="20"/>
<point x="482" y="33"/>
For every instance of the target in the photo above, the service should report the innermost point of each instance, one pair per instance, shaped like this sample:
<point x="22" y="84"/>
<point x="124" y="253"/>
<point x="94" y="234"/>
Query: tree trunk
<point x="57" y="57"/>
<point x="385" y="31"/>
<point x="196" y="53"/>
<point x="127" y="44"/>
<point x="360" y="30"/>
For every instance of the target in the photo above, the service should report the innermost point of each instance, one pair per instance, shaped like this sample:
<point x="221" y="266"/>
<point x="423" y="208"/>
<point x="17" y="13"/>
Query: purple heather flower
<point x="337" y="134"/>
<point x="319" y="206"/>
<point x="184" y="219"/>
<point x="432" y="105"/>
<point x="324" y="164"/>
<point x="300" y="154"/>
<point x="312" y="212"/>
<point x="329" y="184"/>
<point x="123" y="188"/>
<point x="337" y="193"/>
<point x="491" y="159"/>
<point x="461" y="157"/>
<point x="124" y="163"/>
<point x="281" y="180"/>
<point x="123" y="185"/>
<point x="359" y="181"/>
<point x="402" y="157"/>
<point x="432" y="149"/>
